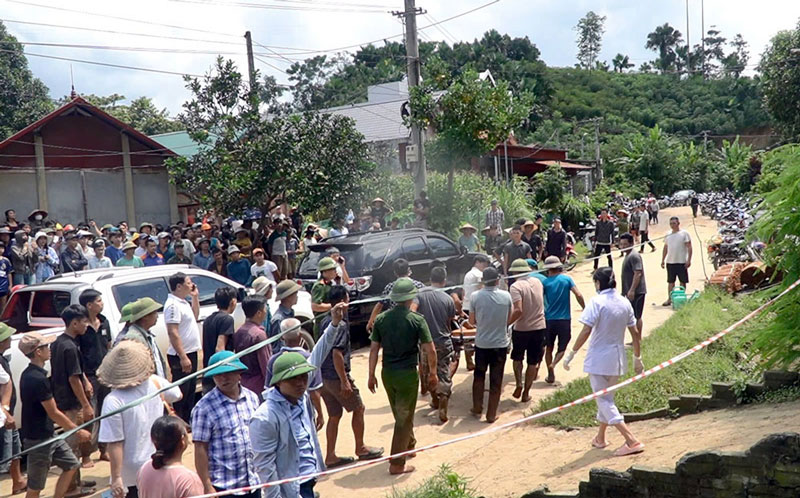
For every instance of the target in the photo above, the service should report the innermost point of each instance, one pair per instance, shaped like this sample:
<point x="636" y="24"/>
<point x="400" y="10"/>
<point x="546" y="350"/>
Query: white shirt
<point x="609" y="314"/>
<point x="279" y="246"/>
<point x="676" y="247"/>
<point x="472" y="282"/>
<point x="644" y="222"/>
<point x="266" y="270"/>
<point x="177" y="310"/>
<point x="132" y="426"/>
<point x="140" y="252"/>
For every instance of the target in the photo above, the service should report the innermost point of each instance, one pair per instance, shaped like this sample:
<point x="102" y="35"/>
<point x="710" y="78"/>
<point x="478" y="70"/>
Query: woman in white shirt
<point x="605" y="318"/>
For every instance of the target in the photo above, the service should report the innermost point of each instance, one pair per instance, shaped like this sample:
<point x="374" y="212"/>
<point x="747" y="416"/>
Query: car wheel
<point x="306" y="340"/>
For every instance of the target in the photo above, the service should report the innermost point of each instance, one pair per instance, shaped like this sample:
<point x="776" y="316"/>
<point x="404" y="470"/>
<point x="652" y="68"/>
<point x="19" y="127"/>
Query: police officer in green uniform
<point x="400" y="332"/>
<point x="320" y="291"/>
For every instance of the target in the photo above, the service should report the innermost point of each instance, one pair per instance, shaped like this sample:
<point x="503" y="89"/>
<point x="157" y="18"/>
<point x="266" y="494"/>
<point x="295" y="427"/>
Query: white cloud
<point x="548" y="24"/>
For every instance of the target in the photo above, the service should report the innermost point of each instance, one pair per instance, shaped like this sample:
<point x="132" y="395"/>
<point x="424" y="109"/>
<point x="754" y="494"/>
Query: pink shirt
<point x="171" y="481"/>
<point x="531" y="292"/>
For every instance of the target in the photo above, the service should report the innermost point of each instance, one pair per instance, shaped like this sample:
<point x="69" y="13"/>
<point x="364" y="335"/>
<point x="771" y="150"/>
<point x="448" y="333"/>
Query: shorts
<point x="40" y="460"/>
<point x="638" y="305"/>
<point x="9" y="445"/>
<point x="530" y="342"/>
<point x="678" y="270"/>
<point x="561" y="329"/>
<point x="334" y="400"/>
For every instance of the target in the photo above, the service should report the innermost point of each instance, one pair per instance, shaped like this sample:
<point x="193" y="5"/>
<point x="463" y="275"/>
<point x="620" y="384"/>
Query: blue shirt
<point x="308" y="460"/>
<point x="239" y="271"/>
<point x="203" y="261"/>
<point x="114" y="254"/>
<point x="5" y="270"/>
<point x="556" y="292"/>
<point x="153" y="261"/>
<point x="223" y="423"/>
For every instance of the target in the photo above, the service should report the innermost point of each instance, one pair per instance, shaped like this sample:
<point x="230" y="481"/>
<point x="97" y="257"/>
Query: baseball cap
<point x="32" y="340"/>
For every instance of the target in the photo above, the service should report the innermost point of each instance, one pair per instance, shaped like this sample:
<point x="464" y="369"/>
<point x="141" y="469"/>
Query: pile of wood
<point x="737" y="276"/>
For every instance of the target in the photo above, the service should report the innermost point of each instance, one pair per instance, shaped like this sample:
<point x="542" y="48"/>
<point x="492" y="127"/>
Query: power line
<point x="128" y="19"/>
<point x="268" y="64"/>
<point x="442" y="29"/>
<point x="107" y="64"/>
<point x="251" y="5"/>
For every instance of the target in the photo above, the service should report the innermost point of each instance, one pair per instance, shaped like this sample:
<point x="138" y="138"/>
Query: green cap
<point x="6" y="331"/>
<point x="403" y="290"/>
<point x="519" y="266"/>
<point x="125" y="313"/>
<point x="141" y="308"/>
<point x="107" y="226"/>
<point x="327" y="264"/>
<point x="288" y="366"/>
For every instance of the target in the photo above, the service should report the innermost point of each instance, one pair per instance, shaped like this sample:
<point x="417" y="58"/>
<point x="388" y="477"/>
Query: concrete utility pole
<point x="412" y="54"/>
<point x="597" y="158"/>
<point x="703" y="36"/>
<point x="688" y="45"/>
<point x="251" y="67"/>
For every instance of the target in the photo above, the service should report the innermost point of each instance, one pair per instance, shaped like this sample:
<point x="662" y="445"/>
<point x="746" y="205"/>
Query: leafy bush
<point x="778" y="343"/>
<point x="445" y="484"/>
<point x="773" y="164"/>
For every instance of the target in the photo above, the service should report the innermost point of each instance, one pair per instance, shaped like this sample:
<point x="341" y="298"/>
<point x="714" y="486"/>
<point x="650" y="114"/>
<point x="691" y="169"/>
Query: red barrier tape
<point x="529" y="418"/>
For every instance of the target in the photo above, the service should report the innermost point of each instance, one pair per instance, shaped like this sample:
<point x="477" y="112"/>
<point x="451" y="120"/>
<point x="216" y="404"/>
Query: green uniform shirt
<point x="399" y="331"/>
<point x="319" y="295"/>
<point x="136" y="262"/>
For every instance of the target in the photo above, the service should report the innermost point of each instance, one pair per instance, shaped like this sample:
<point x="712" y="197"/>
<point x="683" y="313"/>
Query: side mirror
<point x="242" y="294"/>
<point x="463" y="250"/>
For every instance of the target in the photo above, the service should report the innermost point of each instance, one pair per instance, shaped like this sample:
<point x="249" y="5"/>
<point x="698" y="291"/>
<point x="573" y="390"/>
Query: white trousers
<point x="607" y="411"/>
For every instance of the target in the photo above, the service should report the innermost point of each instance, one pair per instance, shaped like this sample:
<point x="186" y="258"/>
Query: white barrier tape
<point x="529" y="418"/>
<point x="254" y="347"/>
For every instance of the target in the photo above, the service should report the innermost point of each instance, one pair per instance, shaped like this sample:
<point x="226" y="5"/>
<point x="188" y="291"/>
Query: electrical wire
<point x="268" y="64"/>
<point x="143" y="49"/>
<point x="107" y="64"/>
<point x="298" y="8"/>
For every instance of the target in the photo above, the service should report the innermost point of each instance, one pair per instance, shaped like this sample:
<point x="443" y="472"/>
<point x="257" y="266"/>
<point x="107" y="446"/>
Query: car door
<point x="46" y="308"/>
<point x="445" y="251"/>
<point x="416" y="251"/>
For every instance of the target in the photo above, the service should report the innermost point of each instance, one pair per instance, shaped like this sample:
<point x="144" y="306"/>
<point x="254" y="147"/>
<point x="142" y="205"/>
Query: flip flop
<point x="341" y="463"/>
<point x="20" y="490"/>
<point x="626" y="450"/>
<point x="597" y="444"/>
<point x="372" y="454"/>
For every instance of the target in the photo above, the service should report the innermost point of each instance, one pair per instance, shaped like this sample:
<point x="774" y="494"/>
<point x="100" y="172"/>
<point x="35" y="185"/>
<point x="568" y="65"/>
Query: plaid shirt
<point x="225" y="425"/>
<point x="495" y="218"/>
<point x="388" y="303"/>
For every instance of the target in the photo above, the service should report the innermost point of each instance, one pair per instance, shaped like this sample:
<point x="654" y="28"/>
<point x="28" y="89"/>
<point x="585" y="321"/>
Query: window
<point x="441" y="248"/>
<point x="49" y="303"/>
<point x="206" y="287"/>
<point x="155" y="288"/>
<point x="16" y="311"/>
<point x="414" y="248"/>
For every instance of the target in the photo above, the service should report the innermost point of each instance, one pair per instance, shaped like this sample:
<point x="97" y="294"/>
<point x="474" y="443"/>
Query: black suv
<point x="369" y="256"/>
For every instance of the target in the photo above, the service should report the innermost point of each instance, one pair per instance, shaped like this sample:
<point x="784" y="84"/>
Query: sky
<point x="296" y="27"/>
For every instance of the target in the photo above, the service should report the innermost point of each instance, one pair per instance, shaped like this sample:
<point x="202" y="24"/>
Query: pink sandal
<point x="597" y="444"/>
<point x="626" y="450"/>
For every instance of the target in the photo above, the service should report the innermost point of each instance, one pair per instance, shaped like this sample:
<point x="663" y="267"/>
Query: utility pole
<point x="251" y="67"/>
<point x="705" y="142"/>
<point x="688" y="45"/>
<point x="409" y="15"/>
<point x="597" y="158"/>
<point x="703" y="36"/>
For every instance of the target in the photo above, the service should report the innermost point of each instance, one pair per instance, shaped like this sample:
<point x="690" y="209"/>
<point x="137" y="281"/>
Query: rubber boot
<point x="443" y="400"/>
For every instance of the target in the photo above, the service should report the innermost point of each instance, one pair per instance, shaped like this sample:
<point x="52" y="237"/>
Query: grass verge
<point x="445" y="484"/>
<point x="722" y="361"/>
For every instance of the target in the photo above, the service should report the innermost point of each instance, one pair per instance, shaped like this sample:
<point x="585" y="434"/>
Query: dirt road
<point x="555" y="457"/>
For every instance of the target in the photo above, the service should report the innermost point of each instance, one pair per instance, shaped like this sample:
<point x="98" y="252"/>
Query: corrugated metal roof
<point x="179" y="142"/>
<point x="377" y="122"/>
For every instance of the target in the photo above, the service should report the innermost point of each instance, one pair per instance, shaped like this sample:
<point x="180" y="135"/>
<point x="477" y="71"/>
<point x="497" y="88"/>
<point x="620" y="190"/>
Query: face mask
<point x="38" y="217"/>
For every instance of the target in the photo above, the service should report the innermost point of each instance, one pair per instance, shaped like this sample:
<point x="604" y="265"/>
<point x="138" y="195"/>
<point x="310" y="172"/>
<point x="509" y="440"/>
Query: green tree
<point x="590" y="36"/>
<point x="23" y="97"/>
<point x="780" y="80"/>
<point x="621" y="63"/>
<point x="665" y="40"/>
<point x="735" y="62"/>
<point x="550" y="187"/>
<point x="650" y="160"/>
<point x="258" y="159"/>
<point x="468" y="120"/>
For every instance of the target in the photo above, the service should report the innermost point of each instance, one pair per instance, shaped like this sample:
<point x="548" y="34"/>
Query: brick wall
<point x="771" y="468"/>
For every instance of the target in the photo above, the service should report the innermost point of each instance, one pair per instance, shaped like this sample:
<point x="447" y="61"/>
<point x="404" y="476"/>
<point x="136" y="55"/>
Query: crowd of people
<point x="258" y="417"/>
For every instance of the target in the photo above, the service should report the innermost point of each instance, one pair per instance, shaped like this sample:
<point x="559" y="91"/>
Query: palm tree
<point x="664" y="39"/>
<point x="621" y="63"/>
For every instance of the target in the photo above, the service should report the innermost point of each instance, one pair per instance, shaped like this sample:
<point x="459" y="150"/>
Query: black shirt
<point x="534" y="241"/>
<point x="556" y="243"/>
<point x="65" y="361"/>
<point x="73" y="260"/>
<point x="4" y="364"/>
<point x="94" y="345"/>
<point x="34" y="388"/>
<point x="342" y="343"/>
<point x="516" y="251"/>
<point x="219" y="323"/>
